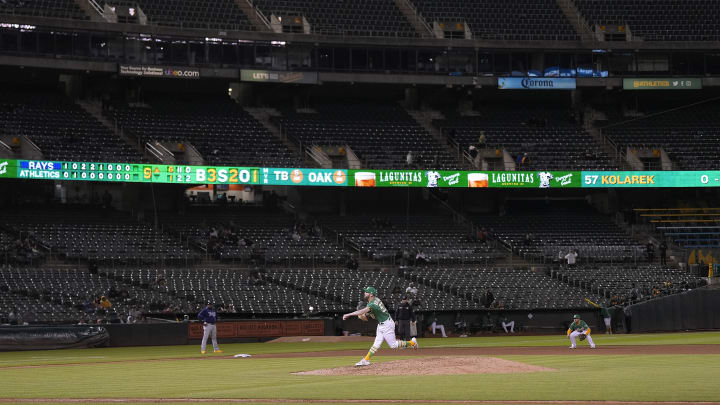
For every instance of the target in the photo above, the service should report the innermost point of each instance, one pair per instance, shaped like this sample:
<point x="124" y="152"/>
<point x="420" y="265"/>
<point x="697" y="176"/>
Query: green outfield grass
<point x="172" y="375"/>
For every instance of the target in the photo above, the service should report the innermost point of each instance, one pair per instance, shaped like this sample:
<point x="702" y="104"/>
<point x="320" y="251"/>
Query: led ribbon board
<point x="185" y="174"/>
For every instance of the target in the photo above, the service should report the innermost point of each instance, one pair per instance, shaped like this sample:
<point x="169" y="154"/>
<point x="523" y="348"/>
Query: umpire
<point x="404" y="315"/>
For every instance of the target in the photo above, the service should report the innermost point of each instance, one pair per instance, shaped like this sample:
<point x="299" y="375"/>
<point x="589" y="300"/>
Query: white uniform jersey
<point x="545" y="178"/>
<point x="433" y="178"/>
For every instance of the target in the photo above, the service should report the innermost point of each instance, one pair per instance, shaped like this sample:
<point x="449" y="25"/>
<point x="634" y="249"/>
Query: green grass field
<point x="181" y="372"/>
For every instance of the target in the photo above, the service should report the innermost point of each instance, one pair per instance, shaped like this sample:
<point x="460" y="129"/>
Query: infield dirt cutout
<point x="445" y="365"/>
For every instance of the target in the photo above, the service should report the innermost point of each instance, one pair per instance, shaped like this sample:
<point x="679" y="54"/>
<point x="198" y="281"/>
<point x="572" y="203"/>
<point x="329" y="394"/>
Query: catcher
<point x="578" y="327"/>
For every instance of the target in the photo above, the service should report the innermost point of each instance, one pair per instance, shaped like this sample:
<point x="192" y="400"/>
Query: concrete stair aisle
<point x="576" y="19"/>
<point x="425" y="118"/>
<point x="94" y="108"/>
<point x="264" y="115"/>
<point x="415" y="19"/>
<point x="255" y="15"/>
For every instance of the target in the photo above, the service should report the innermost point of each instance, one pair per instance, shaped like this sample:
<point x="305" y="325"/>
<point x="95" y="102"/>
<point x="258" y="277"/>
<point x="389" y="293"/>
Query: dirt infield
<point x="449" y="365"/>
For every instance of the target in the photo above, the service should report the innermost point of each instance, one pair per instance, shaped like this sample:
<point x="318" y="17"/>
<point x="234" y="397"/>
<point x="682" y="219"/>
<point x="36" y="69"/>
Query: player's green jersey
<point x="378" y="310"/>
<point x="604" y="312"/>
<point x="579" y="325"/>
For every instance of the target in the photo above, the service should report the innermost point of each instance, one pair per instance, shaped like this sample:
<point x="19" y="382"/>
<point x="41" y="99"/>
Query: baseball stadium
<point x="360" y="201"/>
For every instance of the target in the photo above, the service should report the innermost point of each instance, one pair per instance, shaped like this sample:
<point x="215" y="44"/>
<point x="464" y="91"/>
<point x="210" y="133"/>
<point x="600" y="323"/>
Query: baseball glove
<point x="583" y="336"/>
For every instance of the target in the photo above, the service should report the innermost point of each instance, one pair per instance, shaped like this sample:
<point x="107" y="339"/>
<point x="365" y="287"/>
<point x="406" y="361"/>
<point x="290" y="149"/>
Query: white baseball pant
<point x="607" y="323"/>
<point x="577" y="333"/>
<point x="209" y="330"/>
<point x="385" y="331"/>
<point x="435" y="326"/>
<point x="511" y="324"/>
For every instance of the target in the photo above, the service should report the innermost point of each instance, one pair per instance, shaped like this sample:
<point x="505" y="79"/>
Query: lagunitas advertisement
<point x="407" y="178"/>
<point x="544" y="179"/>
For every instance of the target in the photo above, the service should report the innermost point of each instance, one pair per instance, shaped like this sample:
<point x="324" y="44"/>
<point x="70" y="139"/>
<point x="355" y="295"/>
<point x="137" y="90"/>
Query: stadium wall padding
<point x="151" y="334"/>
<point x="691" y="310"/>
<point x="52" y="337"/>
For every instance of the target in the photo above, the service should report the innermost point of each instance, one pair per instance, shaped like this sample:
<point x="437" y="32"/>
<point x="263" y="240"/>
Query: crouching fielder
<point x="385" y="329"/>
<point x="578" y="327"/>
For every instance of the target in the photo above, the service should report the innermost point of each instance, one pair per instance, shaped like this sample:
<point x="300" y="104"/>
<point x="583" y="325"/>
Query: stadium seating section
<point x="381" y="135"/>
<point x="345" y="286"/>
<point x="51" y="295"/>
<point x="657" y="20"/>
<point x="221" y="131"/>
<point x="689" y="135"/>
<point x="386" y="238"/>
<point x="619" y="281"/>
<point x="686" y="227"/>
<point x="103" y="237"/>
<point x="367" y="18"/>
<point x="60" y="128"/>
<point x="650" y="20"/>
<point x="517" y="20"/>
<point x="229" y="288"/>
<point x="43" y="8"/>
<point x="514" y="288"/>
<point x="545" y="230"/>
<point x="549" y="137"/>
<point x="245" y="235"/>
<point x="209" y="14"/>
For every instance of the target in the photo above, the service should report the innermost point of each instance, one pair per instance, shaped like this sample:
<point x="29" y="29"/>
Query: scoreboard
<point x="188" y="174"/>
<point x="130" y="172"/>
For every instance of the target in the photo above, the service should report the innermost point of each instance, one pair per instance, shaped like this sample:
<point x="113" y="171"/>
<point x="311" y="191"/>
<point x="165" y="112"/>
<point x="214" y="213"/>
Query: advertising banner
<point x="304" y="177"/>
<point x="446" y="178"/>
<point x="159" y="71"/>
<point x="536" y="83"/>
<point x="269" y="328"/>
<point x="706" y="178"/>
<point x="8" y="168"/>
<point x="546" y="179"/>
<point x="673" y="83"/>
<point x="269" y="76"/>
<point x="407" y="178"/>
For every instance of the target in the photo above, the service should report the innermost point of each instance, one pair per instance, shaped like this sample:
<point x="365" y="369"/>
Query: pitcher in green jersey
<point x="385" y="329"/>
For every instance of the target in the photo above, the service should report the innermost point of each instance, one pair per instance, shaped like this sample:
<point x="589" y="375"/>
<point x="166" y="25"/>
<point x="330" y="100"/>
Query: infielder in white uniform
<point x="385" y="329"/>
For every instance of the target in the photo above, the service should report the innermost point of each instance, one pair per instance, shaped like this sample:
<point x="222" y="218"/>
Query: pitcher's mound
<point x="434" y="366"/>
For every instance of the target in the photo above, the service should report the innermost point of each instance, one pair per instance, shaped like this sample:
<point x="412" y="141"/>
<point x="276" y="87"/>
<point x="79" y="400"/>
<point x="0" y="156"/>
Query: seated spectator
<point x="420" y="258"/>
<point x="505" y="323"/>
<point x="13" y="317"/>
<point x="411" y="290"/>
<point x="497" y="305"/>
<point x="472" y="151"/>
<point x="105" y="303"/>
<point x="435" y="326"/>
